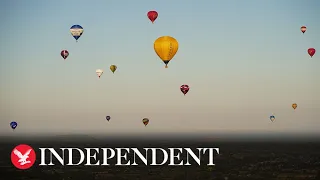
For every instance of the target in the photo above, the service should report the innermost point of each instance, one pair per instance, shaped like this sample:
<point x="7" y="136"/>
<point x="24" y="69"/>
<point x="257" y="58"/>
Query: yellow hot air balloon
<point x="113" y="68"/>
<point x="294" y="105"/>
<point x="166" y="48"/>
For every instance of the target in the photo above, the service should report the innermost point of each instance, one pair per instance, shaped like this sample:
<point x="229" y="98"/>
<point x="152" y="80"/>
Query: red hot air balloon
<point x="311" y="51"/>
<point x="152" y="15"/>
<point x="64" y="54"/>
<point x="303" y="29"/>
<point x="184" y="89"/>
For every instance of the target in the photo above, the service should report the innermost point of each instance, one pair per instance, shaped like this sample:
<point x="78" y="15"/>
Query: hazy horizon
<point x="154" y="138"/>
<point x="243" y="60"/>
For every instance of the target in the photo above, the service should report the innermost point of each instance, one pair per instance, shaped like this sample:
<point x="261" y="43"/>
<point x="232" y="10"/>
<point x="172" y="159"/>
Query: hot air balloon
<point x="303" y="29"/>
<point x="76" y="31"/>
<point x="152" y="15"/>
<point x="64" y="54"/>
<point x="184" y="89"/>
<point x="99" y="72"/>
<point x="294" y="105"/>
<point x="13" y="125"/>
<point x="113" y="68"/>
<point x="272" y="118"/>
<point x="166" y="47"/>
<point x="145" y="121"/>
<point x="108" y="118"/>
<point x="311" y="51"/>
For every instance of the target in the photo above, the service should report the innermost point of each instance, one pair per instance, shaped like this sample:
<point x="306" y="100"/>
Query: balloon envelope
<point x="294" y="105"/>
<point x="303" y="29"/>
<point x="184" y="89"/>
<point x="108" y="118"/>
<point x="99" y="72"/>
<point x="166" y="48"/>
<point x="64" y="54"/>
<point x="272" y="118"/>
<point x="13" y="125"/>
<point x="152" y="15"/>
<point x="311" y="51"/>
<point x="145" y="121"/>
<point x="113" y="68"/>
<point x="76" y="31"/>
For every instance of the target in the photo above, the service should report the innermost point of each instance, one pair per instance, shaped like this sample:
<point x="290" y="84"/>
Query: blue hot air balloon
<point x="76" y="31"/>
<point x="108" y="118"/>
<point x="13" y="125"/>
<point x="272" y="118"/>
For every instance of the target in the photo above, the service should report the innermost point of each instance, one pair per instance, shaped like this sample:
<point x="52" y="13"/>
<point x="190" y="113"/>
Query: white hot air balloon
<point x="99" y="72"/>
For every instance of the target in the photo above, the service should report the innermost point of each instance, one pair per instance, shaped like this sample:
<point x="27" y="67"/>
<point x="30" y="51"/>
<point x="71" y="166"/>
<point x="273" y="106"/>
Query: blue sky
<point x="243" y="61"/>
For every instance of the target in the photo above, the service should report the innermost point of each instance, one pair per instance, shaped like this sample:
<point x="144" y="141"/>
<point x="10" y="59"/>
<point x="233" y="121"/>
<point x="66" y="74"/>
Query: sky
<point x="243" y="60"/>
